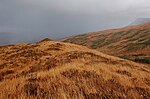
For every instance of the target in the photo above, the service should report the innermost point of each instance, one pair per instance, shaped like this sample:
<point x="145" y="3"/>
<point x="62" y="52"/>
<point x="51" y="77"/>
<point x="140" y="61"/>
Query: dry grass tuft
<point x="56" y="70"/>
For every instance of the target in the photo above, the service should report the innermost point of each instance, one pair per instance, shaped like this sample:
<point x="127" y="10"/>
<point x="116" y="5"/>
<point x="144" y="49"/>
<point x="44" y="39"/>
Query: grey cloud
<point x="31" y="20"/>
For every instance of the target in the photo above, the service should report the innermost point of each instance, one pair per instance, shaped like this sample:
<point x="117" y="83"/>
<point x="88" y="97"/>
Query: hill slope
<point x="56" y="70"/>
<point x="133" y="41"/>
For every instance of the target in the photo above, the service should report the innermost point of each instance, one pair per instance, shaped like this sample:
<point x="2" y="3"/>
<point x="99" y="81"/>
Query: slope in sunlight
<point x="57" y="70"/>
<point x="129" y="42"/>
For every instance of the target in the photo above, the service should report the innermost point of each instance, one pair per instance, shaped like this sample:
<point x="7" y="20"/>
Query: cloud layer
<point x="34" y="19"/>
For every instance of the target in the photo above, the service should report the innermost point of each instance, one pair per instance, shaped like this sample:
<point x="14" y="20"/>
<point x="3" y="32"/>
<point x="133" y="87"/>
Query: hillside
<point x="57" y="70"/>
<point x="130" y="42"/>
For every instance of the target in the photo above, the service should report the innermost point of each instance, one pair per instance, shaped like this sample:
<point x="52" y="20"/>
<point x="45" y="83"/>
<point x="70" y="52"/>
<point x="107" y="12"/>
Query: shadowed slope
<point x="56" y="70"/>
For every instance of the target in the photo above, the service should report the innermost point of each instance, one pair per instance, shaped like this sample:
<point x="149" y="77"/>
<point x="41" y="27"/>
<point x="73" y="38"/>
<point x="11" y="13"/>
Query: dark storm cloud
<point x="29" y="20"/>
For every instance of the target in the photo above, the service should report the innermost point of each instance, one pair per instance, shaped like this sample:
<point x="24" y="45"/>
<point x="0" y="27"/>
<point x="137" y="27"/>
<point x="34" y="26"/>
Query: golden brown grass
<point x="56" y="70"/>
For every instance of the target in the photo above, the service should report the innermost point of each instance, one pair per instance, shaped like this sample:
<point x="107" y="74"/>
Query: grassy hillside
<point x="56" y="70"/>
<point x="132" y="42"/>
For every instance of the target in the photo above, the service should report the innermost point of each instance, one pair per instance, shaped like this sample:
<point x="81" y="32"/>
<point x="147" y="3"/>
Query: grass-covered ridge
<point x="57" y="70"/>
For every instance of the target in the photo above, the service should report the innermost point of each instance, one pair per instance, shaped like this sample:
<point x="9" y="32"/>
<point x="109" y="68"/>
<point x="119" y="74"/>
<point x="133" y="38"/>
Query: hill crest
<point x="56" y="69"/>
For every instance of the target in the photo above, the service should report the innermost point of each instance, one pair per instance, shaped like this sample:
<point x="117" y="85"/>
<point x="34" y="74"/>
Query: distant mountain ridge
<point x="140" y="21"/>
<point x="131" y="41"/>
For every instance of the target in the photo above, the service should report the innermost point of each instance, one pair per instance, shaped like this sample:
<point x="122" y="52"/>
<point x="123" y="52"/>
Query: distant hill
<point x="140" y="21"/>
<point x="131" y="42"/>
<point x="57" y="70"/>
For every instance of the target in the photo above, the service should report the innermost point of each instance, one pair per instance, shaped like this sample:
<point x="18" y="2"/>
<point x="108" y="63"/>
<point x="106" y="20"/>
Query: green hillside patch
<point x="136" y="33"/>
<point x="146" y="42"/>
<point x="143" y="60"/>
<point x="97" y="43"/>
<point x="133" y="46"/>
<point x="106" y="35"/>
<point x="125" y="57"/>
<point x="142" y="39"/>
<point x="129" y="37"/>
<point x="110" y="42"/>
<point x="140" y="60"/>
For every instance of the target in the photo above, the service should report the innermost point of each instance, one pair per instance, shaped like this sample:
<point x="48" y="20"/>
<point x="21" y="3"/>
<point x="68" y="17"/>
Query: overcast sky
<point x="60" y="18"/>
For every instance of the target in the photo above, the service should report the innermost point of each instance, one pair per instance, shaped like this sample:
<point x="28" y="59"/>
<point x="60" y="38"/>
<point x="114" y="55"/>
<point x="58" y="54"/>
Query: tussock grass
<point x="72" y="72"/>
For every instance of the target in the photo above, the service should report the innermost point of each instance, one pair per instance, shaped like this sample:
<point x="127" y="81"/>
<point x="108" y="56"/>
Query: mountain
<point x="57" y="70"/>
<point x="140" y="21"/>
<point x="129" y="42"/>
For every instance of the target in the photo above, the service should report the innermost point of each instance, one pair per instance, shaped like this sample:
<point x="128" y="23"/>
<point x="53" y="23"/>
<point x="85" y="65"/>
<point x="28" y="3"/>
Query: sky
<point x="31" y="20"/>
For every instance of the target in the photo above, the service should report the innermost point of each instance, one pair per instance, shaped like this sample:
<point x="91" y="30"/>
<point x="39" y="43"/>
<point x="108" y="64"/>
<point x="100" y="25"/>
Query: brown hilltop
<point x="44" y="40"/>
<point x="131" y="41"/>
<point x="57" y="70"/>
